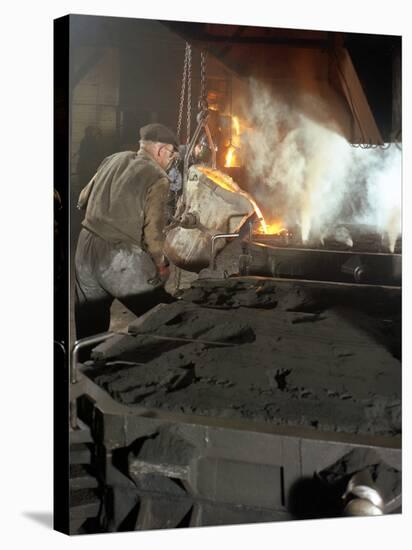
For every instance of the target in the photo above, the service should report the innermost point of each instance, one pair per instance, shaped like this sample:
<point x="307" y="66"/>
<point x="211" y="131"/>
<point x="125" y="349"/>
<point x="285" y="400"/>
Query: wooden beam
<point x="364" y="128"/>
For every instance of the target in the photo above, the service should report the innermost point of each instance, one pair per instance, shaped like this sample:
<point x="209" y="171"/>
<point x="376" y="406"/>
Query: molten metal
<point x="272" y="228"/>
<point x="221" y="179"/>
<point x="227" y="183"/>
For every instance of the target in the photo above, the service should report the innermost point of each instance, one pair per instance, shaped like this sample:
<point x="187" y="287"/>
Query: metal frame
<point x="212" y="263"/>
<point x="77" y="346"/>
<point x="323" y="250"/>
<point x="255" y="465"/>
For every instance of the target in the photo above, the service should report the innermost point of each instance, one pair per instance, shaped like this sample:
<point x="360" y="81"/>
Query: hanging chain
<point x="182" y="92"/>
<point x="187" y="87"/>
<point x="203" y="95"/>
<point x="189" y="92"/>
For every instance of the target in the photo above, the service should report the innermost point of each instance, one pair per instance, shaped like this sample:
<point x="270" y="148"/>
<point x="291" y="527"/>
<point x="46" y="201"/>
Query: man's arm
<point x="85" y="192"/>
<point x="155" y="220"/>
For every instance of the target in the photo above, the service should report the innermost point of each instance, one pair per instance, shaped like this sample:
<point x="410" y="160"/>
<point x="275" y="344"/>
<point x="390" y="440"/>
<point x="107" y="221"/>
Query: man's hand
<point x="164" y="272"/>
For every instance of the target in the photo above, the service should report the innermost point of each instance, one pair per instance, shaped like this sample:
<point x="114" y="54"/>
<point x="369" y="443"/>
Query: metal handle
<point x="77" y="346"/>
<point x="212" y="264"/>
<point x="83" y="343"/>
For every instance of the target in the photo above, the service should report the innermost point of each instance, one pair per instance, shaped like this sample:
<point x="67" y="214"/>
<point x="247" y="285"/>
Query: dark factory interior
<point x="267" y="385"/>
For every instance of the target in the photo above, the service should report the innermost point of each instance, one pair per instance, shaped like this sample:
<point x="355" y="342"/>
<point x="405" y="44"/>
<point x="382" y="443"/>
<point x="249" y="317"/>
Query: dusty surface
<point x="279" y="353"/>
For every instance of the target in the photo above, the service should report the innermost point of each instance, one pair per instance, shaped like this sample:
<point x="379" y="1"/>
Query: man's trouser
<point x="105" y="271"/>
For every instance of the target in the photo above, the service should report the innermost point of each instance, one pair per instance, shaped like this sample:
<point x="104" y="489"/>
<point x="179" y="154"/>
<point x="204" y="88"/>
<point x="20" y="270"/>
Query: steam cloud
<point x="306" y="173"/>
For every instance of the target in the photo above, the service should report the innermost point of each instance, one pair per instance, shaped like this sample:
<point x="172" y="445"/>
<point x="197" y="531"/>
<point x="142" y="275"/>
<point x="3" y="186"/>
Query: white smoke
<point x="381" y="170"/>
<point x="306" y="173"/>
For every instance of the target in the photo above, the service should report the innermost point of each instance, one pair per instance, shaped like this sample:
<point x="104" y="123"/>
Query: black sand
<point x="288" y="354"/>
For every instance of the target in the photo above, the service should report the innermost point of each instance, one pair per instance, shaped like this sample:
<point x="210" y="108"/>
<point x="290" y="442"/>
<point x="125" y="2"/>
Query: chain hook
<point x="203" y="104"/>
<point x="186" y="85"/>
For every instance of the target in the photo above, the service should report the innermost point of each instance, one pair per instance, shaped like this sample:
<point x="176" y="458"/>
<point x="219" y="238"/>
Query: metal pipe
<point x="331" y="284"/>
<point x="324" y="250"/>
<point x="215" y="238"/>
<point x="83" y="343"/>
<point x="77" y="346"/>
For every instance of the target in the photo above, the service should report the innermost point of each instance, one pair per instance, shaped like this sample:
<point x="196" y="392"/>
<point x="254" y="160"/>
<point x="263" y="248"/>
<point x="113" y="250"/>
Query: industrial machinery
<point x="263" y="393"/>
<point x="246" y="400"/>
<point x="270" y="389"/>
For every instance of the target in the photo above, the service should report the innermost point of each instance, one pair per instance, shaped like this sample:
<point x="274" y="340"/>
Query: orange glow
<point x="231" y="158"/>
<point x="272" y="228"/>
<point x="221" y="179"/>
<point x="232" y="155"/>
<point x="227" y="183"/>
<point x="236" y="125"/>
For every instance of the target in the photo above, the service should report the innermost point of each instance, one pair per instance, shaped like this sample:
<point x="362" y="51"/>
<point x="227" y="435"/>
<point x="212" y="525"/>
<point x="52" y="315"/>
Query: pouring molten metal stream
<point x="272" y="228"/>
<point x="227" y="183"/>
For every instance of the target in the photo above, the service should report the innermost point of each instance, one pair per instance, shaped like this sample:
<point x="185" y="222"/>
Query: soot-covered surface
<point x="267" y="352"/>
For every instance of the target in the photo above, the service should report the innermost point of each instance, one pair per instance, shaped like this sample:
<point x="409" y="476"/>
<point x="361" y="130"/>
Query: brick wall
<point x="95" y="101"/>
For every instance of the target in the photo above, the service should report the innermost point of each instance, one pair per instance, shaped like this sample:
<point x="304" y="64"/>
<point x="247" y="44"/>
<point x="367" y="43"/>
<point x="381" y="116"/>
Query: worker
<point x="119" y="253"/>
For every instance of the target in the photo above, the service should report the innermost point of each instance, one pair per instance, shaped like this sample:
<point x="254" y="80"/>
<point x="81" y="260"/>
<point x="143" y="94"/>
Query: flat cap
<point x="159" y="134"/>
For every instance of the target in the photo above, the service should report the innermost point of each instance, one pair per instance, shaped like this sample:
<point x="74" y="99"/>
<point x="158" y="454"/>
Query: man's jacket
<point x="126" y="202"/>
